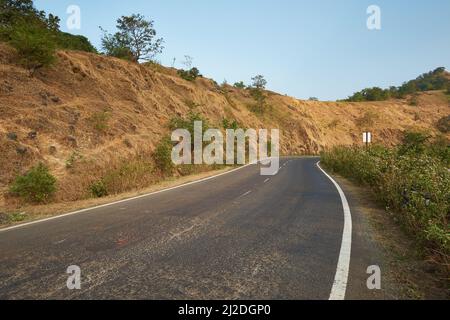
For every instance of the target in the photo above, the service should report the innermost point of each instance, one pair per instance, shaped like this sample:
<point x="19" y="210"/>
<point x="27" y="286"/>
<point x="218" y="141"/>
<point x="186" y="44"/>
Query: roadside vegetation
<point x="433" y="80"/>
<point x="35" y="186"/>
<point x="412" y="181"/>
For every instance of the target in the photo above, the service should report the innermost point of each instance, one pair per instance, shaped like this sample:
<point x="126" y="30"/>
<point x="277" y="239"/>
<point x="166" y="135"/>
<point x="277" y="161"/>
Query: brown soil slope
<point x="104" y="109"/>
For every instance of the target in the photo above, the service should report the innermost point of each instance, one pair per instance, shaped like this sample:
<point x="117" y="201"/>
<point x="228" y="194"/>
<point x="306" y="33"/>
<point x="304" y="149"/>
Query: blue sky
<point x="318" y="48"/>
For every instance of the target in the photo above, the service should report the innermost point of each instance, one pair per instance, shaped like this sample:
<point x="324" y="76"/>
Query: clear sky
<point x="314" y="48"/>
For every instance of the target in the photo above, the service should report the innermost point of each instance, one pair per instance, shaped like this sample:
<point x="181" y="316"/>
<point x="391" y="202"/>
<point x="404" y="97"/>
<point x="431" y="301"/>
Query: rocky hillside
<point x="106" y="111"/>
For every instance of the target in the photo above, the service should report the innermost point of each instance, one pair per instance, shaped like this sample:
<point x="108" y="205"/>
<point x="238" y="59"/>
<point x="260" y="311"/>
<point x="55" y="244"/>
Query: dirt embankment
<point x="89" y="114"/>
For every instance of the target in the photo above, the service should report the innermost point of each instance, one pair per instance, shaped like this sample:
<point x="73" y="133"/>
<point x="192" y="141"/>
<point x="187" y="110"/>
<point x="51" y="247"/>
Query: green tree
<point x="259" y="82"/>
<point x="53" y="22"/>
<point x="135" y="35"/>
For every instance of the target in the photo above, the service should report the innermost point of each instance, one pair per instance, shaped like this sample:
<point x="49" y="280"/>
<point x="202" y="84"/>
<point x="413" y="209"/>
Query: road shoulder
<point x="379" y="241"/>
<point x="35" y="213"/>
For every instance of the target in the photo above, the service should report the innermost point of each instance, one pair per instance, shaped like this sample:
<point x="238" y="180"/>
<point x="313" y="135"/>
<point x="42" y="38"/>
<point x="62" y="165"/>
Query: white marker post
<point x="367" y="138"/>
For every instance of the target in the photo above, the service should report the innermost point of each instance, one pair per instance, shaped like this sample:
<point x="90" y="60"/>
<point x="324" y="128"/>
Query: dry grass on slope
<point x="89" y="116"/>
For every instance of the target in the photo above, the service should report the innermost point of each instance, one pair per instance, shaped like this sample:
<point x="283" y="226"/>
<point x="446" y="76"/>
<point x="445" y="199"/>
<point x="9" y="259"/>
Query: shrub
<point x="73" y="42"/>
<point x="98" y="189"/>
<point x="413" y="142"/>
<point x="415" y="186"/>
<point x="227" y="124"/>
<point x="188" y="123"/>
<point x="189" y="75"/>
<point x="239" y="85"/>
<point x="163" y="156"/>
<point x="37" y="185"/>
<point x="34" y="45"/>
<point x="440" y="149"/>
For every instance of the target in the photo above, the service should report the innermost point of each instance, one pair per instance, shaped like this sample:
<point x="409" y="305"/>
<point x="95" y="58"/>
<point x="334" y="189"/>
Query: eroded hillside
<point x="89" y="113"/>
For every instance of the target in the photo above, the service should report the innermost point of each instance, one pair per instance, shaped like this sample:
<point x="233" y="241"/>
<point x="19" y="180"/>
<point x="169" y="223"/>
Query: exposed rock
<point x="72" y="141"/>
<point x="21" y="150"/>
<point x="56" y="99"/>
<point x="52" y="150"/>
<point x="32" y="135"/>
<point x="128" y="143"/>
<point x="12" y="136"/>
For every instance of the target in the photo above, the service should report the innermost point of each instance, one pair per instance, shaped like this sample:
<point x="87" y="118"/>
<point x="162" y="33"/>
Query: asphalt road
<point x="237" y="236"/>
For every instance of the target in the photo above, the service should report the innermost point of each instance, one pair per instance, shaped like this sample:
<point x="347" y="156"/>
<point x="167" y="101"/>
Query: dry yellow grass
<point x="102" y="111"/>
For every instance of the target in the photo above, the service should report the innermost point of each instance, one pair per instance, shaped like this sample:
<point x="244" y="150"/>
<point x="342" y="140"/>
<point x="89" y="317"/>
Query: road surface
<point x="237" y="236"/>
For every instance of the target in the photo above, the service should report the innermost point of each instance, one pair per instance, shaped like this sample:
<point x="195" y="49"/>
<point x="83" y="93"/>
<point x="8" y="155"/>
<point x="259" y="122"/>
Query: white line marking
<point x="246" y="194"/>
<point x="341" y="279"/>
<point x="267" y="180"/>
<point x="121" y="201"/>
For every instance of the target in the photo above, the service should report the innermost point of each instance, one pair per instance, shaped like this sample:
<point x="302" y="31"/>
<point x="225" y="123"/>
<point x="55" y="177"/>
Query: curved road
<point x="237" y="236"/>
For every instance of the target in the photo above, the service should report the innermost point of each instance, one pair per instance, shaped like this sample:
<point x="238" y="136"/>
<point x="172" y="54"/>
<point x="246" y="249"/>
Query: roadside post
<point x="367" y="138"/>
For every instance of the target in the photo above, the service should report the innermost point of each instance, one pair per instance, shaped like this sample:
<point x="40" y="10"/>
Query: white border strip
<point x="121" y="201"/>
<point x="341" y="279"/>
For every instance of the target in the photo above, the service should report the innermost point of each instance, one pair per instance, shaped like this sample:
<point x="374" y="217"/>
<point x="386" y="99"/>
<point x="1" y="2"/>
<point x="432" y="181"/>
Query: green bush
<point x="98" y="189"/>
<point x="440" y="149"/>
<point x="240" y="85"/>
<point x="34" y="45"/>
<point x="188" y="123"/>
<point x="227" y="124"/>
<point x="412" y="181"/>
<point x="163" y="156"/>
<point x="69" y="41"/>
<point x="189" y="75"/>
<point x="37" y="185"/>
<point x="413" y="143"/>
<point x="35" y="35"/>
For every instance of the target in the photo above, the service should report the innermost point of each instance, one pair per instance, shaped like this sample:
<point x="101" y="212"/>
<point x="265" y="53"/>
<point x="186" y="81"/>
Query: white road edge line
<point x="246" y="194"/>
<point x="341" y="278"/>
<point x="121" y="201"/>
